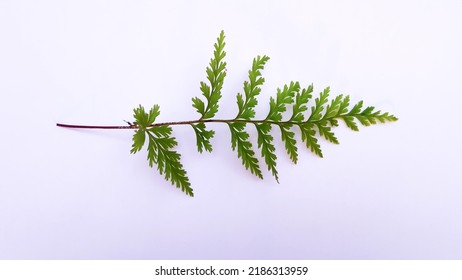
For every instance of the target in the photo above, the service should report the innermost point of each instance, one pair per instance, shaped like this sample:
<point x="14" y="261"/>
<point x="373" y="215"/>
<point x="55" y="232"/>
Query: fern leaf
<point x="318" y="108"/>
<point x="309" y="137"/>
<point x="216" y="73"/>
<point x="167" y="160"/>
<point x="350" y="122"/>
<point x="299" y="107"/>
<point x="144" y="119"/>
<point x="203" y="137"/>
<point x="324" y="115"/>
<point x="343" y="107"/>
<point x="239" y="141"/>
<point x="138" y="141"/>
<point x="333" y="108"/>
<point x="251" y="89"/>
<point x="325" y="130"/>
<point x="284" y="97"/>
<point x="288" y="137"/>
<point x="160" y="145"/>
<point x="356" y="109"/>
<point x="265" y="143"/>
<point x="199" y="105"/>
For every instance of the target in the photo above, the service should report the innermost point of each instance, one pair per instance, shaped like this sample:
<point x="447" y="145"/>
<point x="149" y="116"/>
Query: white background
<point x="388" y="192"/>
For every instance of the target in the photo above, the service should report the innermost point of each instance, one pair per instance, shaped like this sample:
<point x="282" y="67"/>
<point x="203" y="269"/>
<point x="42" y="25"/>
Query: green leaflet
<point x="203" y="137"/>
<point x="239" y="141"/>
<point x="313" y="124"/>
<point x="265" y="143"/>
<point x="299" y="107"/>
<point x="252" y="88"/>
<point x="317" y="109"/>
<point x="216" y="73"/>
<point x="309" y="137"/>
<point x="284" y="97"/>
<point x="288" y="137"/>
<point x="160" y="148"/>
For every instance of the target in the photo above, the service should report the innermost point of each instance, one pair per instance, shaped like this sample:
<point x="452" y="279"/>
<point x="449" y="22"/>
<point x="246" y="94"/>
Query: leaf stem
<point x="135" y="126"/>
<point x="96" y="126"/>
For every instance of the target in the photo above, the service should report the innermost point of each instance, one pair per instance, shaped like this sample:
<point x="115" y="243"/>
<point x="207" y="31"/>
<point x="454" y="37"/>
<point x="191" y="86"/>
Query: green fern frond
<point x="313" y="124"/>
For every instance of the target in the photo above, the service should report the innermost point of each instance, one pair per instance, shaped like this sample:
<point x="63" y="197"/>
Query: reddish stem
<point x="96" y="126"/>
